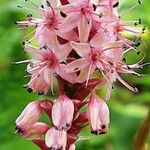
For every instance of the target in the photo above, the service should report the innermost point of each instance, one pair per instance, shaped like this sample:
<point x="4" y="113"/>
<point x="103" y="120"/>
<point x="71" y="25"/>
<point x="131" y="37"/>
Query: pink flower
<point x="36" y="131"/>
<point x="117" y="29"/>
<point x="56" y="139"/>
<point x="98" y="115"/>
<point x="82" y="14"/>
<point x="28" y="117"/>
<point x="45" y="65"/>
<point x="62" y="113"/>
<point x="99" y="54"/>
<point x="45" y="26"/>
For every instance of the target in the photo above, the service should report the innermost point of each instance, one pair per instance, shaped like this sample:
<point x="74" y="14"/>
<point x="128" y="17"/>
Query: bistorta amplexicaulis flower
<point x="70" y="41"/>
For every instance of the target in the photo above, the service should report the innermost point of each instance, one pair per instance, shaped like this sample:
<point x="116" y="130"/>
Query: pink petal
<point x="63" y="52"/>
<point x="84" y="28"/>
<point x="70" y="77"/>
<point x="70" y="22"/>
<point x="36" y="131"/>
<point x="101" y="38"/>
<point x="70" y="35"/>
<point x="62" y="113"/>
<point x="56" y="139"/>
<point x="85" y="74"/>
<point x="83" y="49"/>
<point x="76" y="65"/>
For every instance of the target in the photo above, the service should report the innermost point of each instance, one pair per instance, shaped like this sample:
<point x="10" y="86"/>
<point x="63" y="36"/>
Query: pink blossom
<point x="75" y="40"/>
<point x="62" y="113"/>
<point x="44" y="67"/>
<point x="56" y="139"/>
<point x="98" y="114"/>
<point x="46" y="25"/>
<point x="94" y="56"/>
<point x="83" y="14"/>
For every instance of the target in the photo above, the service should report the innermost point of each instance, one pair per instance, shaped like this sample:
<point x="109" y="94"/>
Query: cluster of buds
<point x="66" y="121"/>
<point x="74" y="39"/>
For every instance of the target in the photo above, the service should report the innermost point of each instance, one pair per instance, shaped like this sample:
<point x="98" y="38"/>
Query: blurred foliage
<point x="127" y="109"/>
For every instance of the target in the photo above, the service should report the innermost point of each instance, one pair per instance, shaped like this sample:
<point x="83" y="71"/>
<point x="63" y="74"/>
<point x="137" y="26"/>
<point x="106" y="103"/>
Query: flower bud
<point x="98" y="115"/>
<point x="56" y="139"/>
<point x="28" y="117"/>
<point x="36" y="131"/>
<point x="62" y="113"/>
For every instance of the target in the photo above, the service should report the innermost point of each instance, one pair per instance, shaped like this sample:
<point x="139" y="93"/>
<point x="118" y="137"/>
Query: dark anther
<point x="19" y="130"/>
<point x="140" y="21"/>
<point x="100" y="15"/>
<point x="29" y="90"/>
<point x="110" y="63"/>
<point x="45" y="47"/>
<point x="94" y="132"/>
<point x="67" y="125"/>
<point x="94" y="6"/>
<point x="42" y="6"/>
<point x="139" y="1"/>
<point x="138" y="53"/>
<point x="135" y="24"/>
<point x="124" y="59"/>
<point x="48" y="3"/>
<point x="116" y="4"/>
<point x="19" y="6"/>
<point x="29" y="15"/>
<point x="23" y="43"/>
<point x="137" y="44"/>
<point x="15" y="22"/>
<point x="102" y="132"/>
<point x="143" y="29"/>
<point x="40" y="93"/>
<point x="128" y="67"/>
<point x="63" y="14"/>
<point x="103" y="126"/>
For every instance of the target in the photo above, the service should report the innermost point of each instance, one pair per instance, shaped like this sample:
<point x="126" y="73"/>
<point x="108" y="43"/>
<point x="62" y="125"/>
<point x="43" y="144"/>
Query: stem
<point x="142" y="134"/>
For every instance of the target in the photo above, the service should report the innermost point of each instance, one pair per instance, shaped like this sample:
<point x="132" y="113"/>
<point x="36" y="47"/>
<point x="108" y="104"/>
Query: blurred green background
<point x="127" y="109"/>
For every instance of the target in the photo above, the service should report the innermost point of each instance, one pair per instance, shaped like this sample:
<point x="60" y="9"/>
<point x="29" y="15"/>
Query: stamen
<point x="94" y="7"/>
<point x="128" y="11"/>
<point x="21" y="62"/>
<point x="63" y="14"/>
<point x="116" y="4"/>
<point x="139" y="1"/>
<point x="126" y="84"/>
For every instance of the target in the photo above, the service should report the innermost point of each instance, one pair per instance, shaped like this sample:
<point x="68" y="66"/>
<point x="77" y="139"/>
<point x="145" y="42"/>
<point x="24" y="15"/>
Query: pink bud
<point x="56" y="139"/>
<point x="98" y="115"/>
<point x="28" y="117"/>
<point x="36" y="131"/>
<point x="62" y="113"/>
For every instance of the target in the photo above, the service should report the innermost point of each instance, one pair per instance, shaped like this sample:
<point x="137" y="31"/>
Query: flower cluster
<point x="74" y="39"/>
<point x="66" y="120"/>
